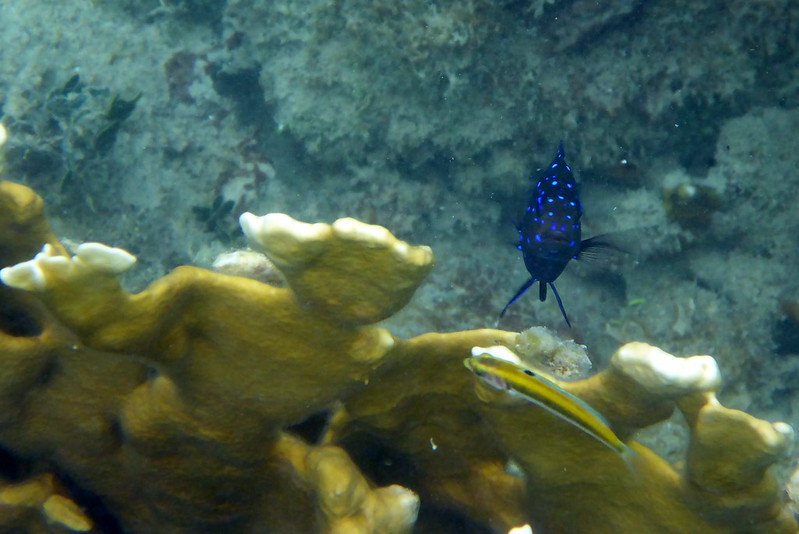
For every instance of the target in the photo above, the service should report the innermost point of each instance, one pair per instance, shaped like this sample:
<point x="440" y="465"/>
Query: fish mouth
<point x="495" y="382"/>
<point x="486" y="378"/>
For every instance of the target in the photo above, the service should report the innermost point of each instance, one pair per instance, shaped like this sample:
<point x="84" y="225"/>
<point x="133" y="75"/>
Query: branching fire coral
<point x="178" y="406"/>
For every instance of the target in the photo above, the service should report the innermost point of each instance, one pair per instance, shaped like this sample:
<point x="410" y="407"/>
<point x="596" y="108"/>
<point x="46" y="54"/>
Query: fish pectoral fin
<point x="602" y="248"/>
<point x="518" y="294"/>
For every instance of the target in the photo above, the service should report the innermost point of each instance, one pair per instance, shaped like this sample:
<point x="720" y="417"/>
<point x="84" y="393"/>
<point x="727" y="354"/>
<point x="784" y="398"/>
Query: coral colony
<point x="177" y="408"/>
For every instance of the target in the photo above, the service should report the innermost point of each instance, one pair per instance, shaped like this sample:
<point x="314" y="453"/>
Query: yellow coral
<point x="175" y="404"/>
<point x="574" y="485"/>
<point x="36" y="504"/>
<point x="347" y="502"/>
<point x="23" y="228"/>
<point x="231" y="362"/>
<point x="355" y="272"/>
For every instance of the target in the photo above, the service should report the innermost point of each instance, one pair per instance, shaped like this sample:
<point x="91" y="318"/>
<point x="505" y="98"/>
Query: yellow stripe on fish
<point x="535" y="388"/>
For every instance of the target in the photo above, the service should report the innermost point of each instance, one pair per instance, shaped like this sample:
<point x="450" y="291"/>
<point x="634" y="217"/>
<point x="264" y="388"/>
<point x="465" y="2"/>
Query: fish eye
<point x="528" y="372"/>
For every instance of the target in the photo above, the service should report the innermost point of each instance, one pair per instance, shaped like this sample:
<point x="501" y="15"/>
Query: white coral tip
<point x="661" y="373"/>
<point x="785" y="430"/>
<point x="48" y="251"/>
<point x="405" y="505"/>
<point x="103" y="258"/>
<point x="261" y="230"/>
<point x="497" y="351"/>
<point x="353" y="230"/>
<point x="251" y="225"/>
<point x="26" y="275"/>
<point x="285" y="240"/>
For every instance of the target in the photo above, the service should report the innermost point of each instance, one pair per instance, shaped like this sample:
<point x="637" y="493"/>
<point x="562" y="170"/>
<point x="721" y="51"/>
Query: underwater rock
<point x="691" y="206"/>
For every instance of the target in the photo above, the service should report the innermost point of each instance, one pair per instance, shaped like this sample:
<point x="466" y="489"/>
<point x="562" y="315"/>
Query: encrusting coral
<point x="176" y="406"/>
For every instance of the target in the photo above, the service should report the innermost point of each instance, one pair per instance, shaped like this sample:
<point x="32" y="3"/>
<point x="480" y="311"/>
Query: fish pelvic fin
<point x="560" y="302"/>
<point x="516" y="297"/>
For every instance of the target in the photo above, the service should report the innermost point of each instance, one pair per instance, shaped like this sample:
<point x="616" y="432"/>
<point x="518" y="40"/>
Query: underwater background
<point x="151" y="125"/>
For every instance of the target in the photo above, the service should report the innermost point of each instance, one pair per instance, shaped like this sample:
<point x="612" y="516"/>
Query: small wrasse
<point x="492" y="367"/>
<point x="550" y="231"/>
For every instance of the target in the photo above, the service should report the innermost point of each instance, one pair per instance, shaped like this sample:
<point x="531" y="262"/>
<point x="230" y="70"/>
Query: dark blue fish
<point x="549" y="233"/>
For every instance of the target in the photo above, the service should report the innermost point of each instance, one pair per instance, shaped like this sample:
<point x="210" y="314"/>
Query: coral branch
<point x="176" y="405"/>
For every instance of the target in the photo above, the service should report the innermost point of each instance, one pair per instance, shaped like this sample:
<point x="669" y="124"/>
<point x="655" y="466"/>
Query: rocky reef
<point x="217" y="403"/>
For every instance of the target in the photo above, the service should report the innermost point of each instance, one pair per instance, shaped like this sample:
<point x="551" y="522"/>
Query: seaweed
<point x="61" y="141"/>
<point x="216" y="218"/>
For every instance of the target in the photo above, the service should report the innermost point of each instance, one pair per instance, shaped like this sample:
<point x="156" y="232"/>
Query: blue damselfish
<point x="549" y="232"/>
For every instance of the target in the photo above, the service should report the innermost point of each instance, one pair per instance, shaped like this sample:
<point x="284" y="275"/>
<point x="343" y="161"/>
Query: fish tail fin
<point x="560" y="302"/>
<point x="518" y="294"/>
<point x="630" y="459"/>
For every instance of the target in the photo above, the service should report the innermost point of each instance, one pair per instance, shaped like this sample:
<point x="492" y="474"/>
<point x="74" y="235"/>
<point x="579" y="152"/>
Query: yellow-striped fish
<point x="518" y="381"/>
